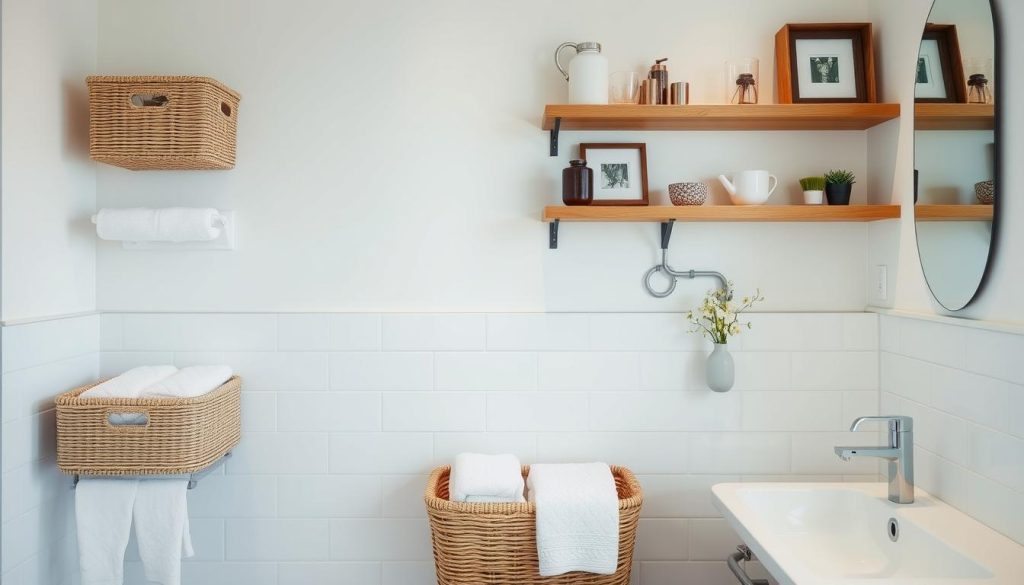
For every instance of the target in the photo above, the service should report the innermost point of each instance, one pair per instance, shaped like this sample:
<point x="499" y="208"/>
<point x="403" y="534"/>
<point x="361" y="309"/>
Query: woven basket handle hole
<point x="128" y="419"/>
<point x="226" y="108"/>
<point x="149" y="100"/>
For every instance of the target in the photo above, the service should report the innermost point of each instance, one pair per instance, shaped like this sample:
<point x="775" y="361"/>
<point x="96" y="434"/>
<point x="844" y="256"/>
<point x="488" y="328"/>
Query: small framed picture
<point x="620" y="172"/>
<point x="822" y="63"/>
<point x="940" y="70"/>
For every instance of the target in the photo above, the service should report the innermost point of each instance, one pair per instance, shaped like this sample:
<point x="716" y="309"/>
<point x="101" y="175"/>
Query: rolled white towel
<point x="189" y="382"/>
<point x="172" y="224"/>
<point x="131" y="383"/>
<point x="488" y="478"/>
<point x="577" y="518"/>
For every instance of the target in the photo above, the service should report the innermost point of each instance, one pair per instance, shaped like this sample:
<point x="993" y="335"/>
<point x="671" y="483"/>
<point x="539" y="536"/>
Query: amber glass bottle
<point x="577" y="183"/>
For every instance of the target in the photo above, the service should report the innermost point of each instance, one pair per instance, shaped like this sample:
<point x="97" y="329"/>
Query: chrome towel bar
<point x="193" y="478"/>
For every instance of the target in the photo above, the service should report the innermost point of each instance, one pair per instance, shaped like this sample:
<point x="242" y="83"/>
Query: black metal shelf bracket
<point x="554" y="136"/>
<point x="553" y="235"/>
<point x="666" y="233"/>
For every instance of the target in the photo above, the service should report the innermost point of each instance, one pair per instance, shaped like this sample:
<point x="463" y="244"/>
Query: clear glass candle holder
<point x="742" y="84"/>
<point x="980" y="83"/>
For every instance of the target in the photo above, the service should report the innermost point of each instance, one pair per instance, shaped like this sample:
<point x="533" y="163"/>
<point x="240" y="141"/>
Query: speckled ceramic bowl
<point x="985" y="191"/>
<point x="688" y="193"/>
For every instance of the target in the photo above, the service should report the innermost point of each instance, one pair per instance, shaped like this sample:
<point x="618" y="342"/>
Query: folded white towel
<point x="491" y="478"/>
<point x="577" y="518"/>
<point x="172" y="224"/>
<point x="189" y="382"/>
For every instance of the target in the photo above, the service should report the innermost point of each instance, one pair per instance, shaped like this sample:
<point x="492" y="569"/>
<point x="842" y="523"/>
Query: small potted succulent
<point x="813" y="188"/>
<point x="838" y="185"/>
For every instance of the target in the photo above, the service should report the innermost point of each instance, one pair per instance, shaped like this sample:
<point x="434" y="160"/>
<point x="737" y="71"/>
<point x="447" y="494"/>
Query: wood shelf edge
<point x="954" y="116"/>
<point x="974" y="212"/>
<point x="719" y="116"/>
<point x="723" y="213"/>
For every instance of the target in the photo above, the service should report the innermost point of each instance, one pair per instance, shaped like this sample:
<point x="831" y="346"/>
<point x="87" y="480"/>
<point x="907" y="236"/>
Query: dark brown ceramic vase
<point x="577" y="183"/>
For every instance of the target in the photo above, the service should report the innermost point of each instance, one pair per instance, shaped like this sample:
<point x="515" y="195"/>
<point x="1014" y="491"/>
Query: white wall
<point x="345" y="414"/>
<point x="965" y="390"/>
<point x="40" y="360"/>
<point x="47" y="184"/>
<point x="894" y="244"/>
<point x="390" y="158"/>
<point x="47" y="191"/>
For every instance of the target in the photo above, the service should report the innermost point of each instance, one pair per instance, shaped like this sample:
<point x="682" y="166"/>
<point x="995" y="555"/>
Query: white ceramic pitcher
<point x="587" y="74"/>
<point x="750" y="187"/>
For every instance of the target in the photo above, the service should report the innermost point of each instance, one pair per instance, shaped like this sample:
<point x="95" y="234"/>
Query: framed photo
<point x="620" y="172"/>
<point x="823" y="63"/>
<point x="940" y="69"/>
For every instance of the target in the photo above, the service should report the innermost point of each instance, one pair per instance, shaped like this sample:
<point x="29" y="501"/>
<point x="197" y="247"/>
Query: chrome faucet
<point x="899" y="455"/>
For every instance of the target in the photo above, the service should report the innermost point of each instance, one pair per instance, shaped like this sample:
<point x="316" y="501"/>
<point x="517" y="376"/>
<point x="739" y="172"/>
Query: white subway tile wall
<point x="346" y="414"/>
<point x="39" y="361"/>
<point x="965" y="389"/>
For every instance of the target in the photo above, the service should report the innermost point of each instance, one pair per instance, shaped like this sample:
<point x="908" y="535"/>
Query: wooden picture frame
<point x="951" y="63"/>
<point x="612" y="174"/>
<point x="787" y="64"/>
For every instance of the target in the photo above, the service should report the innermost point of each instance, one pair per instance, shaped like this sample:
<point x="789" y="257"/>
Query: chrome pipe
<point x="742" y="554"/>
<point x="677" y="274"/>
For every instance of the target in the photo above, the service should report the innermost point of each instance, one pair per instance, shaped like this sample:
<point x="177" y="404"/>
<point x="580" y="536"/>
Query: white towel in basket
<point x="129" y="385"/>
<point x="577" y="517"/>
<point x="486" y="478"/>
<point x="189" y="382"/>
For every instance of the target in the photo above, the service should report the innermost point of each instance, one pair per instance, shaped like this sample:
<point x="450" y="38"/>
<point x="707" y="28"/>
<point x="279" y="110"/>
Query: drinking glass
<point x="623" y="87"/>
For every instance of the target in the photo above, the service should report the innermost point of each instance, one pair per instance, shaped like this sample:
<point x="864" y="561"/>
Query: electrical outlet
<point x="881" y="282"/>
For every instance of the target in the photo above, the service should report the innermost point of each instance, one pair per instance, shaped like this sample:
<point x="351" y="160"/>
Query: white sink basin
<point x="838" y="534"/>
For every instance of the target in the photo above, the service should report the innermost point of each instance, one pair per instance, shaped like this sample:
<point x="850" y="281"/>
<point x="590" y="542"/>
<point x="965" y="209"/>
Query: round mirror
<point x="956" y="149"/>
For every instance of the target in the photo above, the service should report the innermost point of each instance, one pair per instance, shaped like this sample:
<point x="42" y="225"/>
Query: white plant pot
<point x="814" y="197"/>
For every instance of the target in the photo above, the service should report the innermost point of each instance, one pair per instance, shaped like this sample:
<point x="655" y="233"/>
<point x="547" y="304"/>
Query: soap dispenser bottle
<point x="659" y="76"/>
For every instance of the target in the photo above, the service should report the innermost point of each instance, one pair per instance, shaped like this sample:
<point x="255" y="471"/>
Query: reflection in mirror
<point x="955" y="149"/>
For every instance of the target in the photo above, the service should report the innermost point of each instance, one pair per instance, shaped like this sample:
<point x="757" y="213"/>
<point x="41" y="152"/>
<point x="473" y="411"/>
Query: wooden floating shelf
<point x="953" y="212"/>
<point x="954" y="117"/>
<point x="723" y="213"/>
<point x="720" y="117"/>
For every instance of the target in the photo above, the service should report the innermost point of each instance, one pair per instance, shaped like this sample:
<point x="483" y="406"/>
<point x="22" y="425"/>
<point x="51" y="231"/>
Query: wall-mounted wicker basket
<point x="496" y="543"/>
<point x="153" y="123"/>
<point x="180" y="435"/>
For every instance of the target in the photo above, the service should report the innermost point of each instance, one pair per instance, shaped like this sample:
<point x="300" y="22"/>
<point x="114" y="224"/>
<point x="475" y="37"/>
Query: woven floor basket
<point x="187" y="122"/>
<point x="484" y="543"/>
<point x="182" y="435"/>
